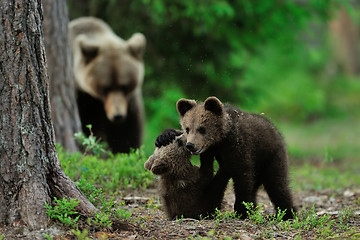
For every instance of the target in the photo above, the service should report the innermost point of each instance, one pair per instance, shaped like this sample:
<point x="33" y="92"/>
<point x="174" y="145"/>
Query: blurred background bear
<point x="108" y="73"/>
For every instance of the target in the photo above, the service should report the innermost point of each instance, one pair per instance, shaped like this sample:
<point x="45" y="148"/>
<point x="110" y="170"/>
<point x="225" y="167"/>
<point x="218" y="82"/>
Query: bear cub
<point x="182" y="190"/>
<point x="248" y="148"/>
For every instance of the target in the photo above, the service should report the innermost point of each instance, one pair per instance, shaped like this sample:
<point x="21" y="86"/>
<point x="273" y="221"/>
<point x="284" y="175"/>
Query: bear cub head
<point x="203" y="123"/>
<point x="107" y="67"/>
<point x="171" y="159"/>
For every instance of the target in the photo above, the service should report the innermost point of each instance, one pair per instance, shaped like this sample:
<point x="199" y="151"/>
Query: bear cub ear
<point x="136" y="45"/>
<point x="184" y="105"/>
<point x="214" y="105"/>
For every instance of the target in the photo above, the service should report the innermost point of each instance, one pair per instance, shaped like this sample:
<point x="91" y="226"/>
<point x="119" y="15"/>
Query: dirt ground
<point x="148" y="221"/>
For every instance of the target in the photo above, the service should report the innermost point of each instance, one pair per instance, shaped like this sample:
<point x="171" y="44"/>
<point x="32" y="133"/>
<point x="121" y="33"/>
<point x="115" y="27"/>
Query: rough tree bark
<point x="30" y="172"/>
<point x="64" y="112"/>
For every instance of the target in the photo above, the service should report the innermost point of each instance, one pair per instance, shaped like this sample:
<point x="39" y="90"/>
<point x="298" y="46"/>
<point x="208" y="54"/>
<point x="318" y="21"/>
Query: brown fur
<point x="108" y="73"/>
<point x="247" y="146"/>
<point x="182" y="190"/>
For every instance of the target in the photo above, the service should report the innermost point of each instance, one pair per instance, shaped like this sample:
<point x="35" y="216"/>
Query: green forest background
<point x="272" y="57"/>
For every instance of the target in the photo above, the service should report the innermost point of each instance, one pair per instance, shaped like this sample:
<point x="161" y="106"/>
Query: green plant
<point x="224" y="216"/>
<point x="152" y="203"/>
<point x="121" y="212"/>
<point x="81" y="235"/>
<point x="325" y="232"/>
<point x="48" y="237"/>
<point x="254" y="212"/>
<point x="309" y="220"/>
<point x="96" y="196"/>
<point x="277" y="217"/>
<point x="344" y="217"/>
<point x="91" y="144"/>
<point x="101" y="220"/>
<point x="107" y="206"/>
<point x="64" y="211"/>
<point x="180" y="219"/>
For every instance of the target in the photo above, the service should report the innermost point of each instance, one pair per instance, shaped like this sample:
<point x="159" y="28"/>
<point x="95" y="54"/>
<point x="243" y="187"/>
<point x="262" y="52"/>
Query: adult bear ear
<point x="214" y="105"/>
<point x="136" y="45"/>
<point x="184" y="105"/>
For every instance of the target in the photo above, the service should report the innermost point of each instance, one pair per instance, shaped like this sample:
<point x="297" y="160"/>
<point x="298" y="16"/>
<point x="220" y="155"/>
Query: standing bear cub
<point x="183" y="192"/>
<point x="247" y="147"/>
<point x="108" y="73"/>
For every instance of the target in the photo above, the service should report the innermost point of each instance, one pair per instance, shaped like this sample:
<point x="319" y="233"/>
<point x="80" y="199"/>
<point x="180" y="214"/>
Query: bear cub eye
<point x="187" y="130"/>
<point x="202" y="130"/>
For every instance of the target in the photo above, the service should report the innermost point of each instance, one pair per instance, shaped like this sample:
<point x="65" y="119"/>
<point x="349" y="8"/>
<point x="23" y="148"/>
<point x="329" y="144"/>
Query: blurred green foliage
<point x="264" y="56"/>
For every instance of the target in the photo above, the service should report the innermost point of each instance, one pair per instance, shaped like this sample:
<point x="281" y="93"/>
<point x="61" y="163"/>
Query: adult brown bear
<point x="108" y="73"/>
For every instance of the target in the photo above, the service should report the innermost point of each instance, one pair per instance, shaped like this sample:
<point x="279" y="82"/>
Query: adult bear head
<point x="107" y="67"/>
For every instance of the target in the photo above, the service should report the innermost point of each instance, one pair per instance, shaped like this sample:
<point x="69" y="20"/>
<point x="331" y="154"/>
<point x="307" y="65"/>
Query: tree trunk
<point x="64" y="112"/>
<point x="30" y="172"/>
<point x="345" y="41"/>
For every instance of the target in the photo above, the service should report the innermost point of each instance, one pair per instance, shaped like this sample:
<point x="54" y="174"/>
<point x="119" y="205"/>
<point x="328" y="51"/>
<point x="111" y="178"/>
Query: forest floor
<point x="326" y="214"/>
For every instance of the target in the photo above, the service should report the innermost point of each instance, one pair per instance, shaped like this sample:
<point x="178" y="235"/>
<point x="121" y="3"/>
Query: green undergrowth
<point x="64" y="210"/>
<point x="305" y="222"/>
<point x="114" y="172"/>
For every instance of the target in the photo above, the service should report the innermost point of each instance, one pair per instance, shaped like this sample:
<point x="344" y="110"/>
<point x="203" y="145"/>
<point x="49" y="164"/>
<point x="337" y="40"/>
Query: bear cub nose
<point x="190" y="146"/>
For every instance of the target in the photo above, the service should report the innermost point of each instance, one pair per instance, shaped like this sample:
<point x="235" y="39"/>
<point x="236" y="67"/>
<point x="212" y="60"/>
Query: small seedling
<point x="344" y="217"/>
<point x="81" y="235"/>
<point x="64" y="211"/>
<point x="152" y="203"/>
<point x="254" y="213"/>
<point x="101" y="220"/>
<point x="98" y="198"/>
<point x="223" y="216"/>
<point x="277" y="217"/>
<point x="48" y="237"/>
<point x="121" y="213"/>
<point x="309" y="220"/>
<point x="91" y="144"/>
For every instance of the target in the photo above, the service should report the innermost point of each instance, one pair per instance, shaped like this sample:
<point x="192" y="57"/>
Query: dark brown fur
<point x="182" y="190"/>
<point x="247" y="147"/>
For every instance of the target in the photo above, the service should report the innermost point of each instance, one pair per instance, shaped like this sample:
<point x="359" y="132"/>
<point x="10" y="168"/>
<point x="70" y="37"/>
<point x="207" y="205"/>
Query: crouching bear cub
<point x="182" y="190"/>
<point x="247" y="147"/>
<point x="108" y="74"/>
